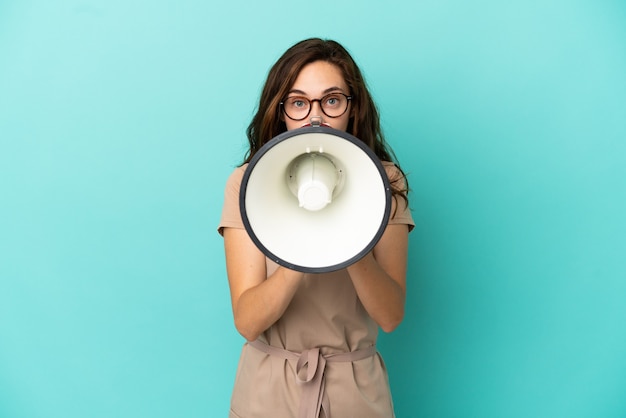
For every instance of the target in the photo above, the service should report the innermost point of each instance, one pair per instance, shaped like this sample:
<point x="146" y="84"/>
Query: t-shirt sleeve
<point x="231" y="216"/>
<point x="400" y="210"/>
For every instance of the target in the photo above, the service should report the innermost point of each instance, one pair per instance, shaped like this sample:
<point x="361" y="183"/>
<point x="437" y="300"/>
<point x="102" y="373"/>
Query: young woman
<point x="311" y="338"/>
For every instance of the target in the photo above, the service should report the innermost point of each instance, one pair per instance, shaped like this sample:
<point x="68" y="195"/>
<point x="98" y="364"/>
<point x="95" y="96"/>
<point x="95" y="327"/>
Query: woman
<point x="311" y="338"/>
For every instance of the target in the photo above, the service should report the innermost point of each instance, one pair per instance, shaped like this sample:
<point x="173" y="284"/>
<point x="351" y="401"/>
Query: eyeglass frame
<point x="311" y="101"/>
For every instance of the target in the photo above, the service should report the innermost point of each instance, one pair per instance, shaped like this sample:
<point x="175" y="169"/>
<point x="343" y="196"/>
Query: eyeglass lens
<point x="333" y="105"/>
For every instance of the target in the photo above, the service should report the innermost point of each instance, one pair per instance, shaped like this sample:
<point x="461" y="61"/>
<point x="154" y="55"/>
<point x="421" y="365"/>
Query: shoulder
<point x="234" y="179"/>
<point x="394" y="172"/>
<point x="238" y="172"/>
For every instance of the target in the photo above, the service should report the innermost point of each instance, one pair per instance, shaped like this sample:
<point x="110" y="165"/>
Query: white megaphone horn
<point x="315" y="199"/>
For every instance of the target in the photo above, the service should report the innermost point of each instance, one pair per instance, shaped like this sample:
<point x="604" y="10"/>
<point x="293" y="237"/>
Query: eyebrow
<point x="328" y="90"/>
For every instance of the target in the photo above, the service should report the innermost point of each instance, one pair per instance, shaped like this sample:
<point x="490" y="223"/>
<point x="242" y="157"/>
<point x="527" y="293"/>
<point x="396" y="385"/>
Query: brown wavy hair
<point x="364" y="122"/>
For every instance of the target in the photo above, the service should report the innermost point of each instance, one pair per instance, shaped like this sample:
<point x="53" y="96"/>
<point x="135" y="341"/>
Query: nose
<point x="315" y="121"/>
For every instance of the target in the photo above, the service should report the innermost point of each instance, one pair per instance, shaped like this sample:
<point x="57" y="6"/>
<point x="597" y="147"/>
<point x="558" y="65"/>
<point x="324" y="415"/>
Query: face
<point x="315" y="81"/>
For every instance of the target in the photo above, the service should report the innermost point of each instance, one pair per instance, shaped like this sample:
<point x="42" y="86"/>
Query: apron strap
<point x="310" y="367"/>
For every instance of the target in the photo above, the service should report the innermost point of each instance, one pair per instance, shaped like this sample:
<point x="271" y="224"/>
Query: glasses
<point x="333" y="105"/>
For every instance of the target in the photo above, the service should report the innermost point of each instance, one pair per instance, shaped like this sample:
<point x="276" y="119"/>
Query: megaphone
<point x="315" y="199"/>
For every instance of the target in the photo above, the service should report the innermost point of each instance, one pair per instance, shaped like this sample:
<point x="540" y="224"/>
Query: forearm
<point x="260" y="306"/>
<point x="381" y="295"/>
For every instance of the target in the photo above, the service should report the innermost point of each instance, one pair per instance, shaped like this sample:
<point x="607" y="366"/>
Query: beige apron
<point x="319" y="358"/>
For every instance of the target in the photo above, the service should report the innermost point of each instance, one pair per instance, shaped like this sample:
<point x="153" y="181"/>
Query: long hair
<point x="364" y="122"/>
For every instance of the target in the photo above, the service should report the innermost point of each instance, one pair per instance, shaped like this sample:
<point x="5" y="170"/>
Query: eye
<point x="297" y="102"/>
<point x="333" y="100"/>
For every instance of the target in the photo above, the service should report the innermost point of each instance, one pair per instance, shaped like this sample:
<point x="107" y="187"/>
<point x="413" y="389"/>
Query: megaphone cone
<point x="315" y="199"/>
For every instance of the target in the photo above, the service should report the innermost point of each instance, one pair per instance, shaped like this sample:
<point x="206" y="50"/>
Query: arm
<point x="380" y="277"/>
<point x="257" y="301"/>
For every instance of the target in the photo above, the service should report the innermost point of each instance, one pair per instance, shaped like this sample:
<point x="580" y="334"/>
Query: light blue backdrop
<point x="120" y="121"/>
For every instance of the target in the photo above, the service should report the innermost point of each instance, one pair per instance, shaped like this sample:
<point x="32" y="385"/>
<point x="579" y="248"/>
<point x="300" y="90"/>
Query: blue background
<point x="121" y="120"/>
